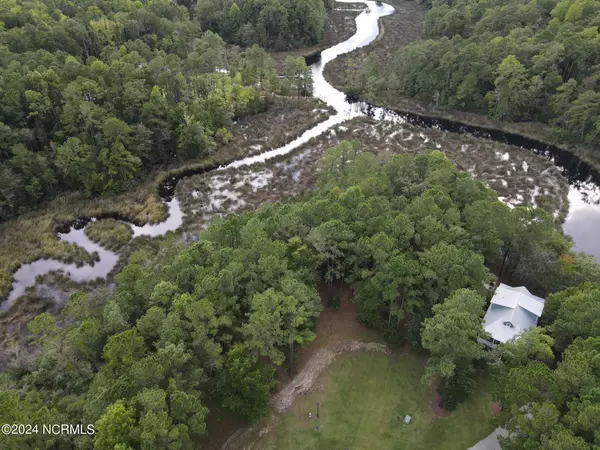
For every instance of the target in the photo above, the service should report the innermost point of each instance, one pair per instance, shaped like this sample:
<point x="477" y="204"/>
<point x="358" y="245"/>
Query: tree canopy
<point x="511" y="60"/>
<point x="208" y="323"/>
<point x="277" y="24"/>
<point x="548" y="380"/>
<point x="96" y="94"/>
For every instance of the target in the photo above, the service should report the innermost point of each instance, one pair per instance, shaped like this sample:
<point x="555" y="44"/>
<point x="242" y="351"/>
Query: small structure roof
<point x="512" y="310"/>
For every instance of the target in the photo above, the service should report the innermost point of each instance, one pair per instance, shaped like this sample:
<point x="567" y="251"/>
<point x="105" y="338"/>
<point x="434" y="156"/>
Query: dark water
<point x="578" y="172"/>
<point x="581" y="223"/>
<point x="583" y="220"/>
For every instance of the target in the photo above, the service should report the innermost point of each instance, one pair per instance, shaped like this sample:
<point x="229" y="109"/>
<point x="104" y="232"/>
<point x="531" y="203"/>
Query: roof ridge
<point x="512" y="313"/>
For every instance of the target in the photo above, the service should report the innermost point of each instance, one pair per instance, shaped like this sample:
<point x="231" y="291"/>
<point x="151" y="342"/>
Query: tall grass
<point x="33" y="236"/>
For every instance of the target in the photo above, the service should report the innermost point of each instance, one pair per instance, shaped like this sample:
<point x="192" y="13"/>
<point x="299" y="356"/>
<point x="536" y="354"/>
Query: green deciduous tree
<point x="275" y="320"/>
<point x="573" y="313"/>
<point x="245" y="384"/>
<point x="447" y="267"/>
<point x="299" y="75"/>
<point x="451" y="334"/>
<point x="115" y="427"/>
<point x="509" y="98"/>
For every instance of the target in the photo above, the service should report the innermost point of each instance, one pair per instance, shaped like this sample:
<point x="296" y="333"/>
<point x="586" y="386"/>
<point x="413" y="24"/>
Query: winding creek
<point x="581" y="222"/>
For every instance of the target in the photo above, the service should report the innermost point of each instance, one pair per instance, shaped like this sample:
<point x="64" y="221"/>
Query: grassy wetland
<point x="518" y="176"/>
<point x="404" y="27"/>
<point x="34" y="235"/>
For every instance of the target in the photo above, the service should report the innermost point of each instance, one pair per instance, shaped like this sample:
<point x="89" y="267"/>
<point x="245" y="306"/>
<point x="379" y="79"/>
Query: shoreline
<point x="536" y="145"/>
<point x="337" y="72"/>
<point x="158" y="187"/>
<point x="488" y="125"/>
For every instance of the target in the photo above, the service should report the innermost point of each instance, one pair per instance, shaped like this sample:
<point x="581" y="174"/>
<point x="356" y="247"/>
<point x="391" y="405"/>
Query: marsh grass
<point x="33" y="235"/>
<point x="517" y="175"/>
<point x="396" y="31"/>
<point x="110" y="233"/>
<point x="514" y="173"/>
<point x="13" y="328"/>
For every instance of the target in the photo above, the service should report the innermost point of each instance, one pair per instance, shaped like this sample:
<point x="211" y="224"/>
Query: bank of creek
<point x="521" y="170"/>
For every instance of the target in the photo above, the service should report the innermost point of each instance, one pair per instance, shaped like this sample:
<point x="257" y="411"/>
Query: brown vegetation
<point x="109" y="233"/>
<point x="402" y="28"/>
<point x="33" y="236"/>
<point x="397" y="30"/>
<point x="517" y="175"/>
<point x="340" y="25"/>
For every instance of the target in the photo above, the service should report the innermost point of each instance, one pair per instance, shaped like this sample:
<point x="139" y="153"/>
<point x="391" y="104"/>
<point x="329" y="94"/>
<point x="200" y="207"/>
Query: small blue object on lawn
<point x="407" y="420"/>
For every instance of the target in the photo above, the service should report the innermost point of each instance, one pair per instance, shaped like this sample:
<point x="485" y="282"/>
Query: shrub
<point x="394" y="335"/>
<point x="455" y="390"/>
<point x="333" y="301"/>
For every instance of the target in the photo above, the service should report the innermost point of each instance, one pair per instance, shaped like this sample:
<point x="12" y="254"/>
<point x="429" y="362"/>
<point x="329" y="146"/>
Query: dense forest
<point x="512" y="60"/>
<point x="209" y="323"/>
<point x="275" y="24"/>
<point x="549" y="380"/>
<point x="95" y="93"/>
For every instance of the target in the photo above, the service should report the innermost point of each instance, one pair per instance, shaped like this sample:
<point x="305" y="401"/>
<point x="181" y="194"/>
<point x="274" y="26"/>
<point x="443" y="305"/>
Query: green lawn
<point x="364" y="397"/>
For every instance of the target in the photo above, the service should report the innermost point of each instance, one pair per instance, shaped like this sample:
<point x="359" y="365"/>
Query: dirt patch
<point x="335" y="325"/>
<point x="436" y="401"/>
<point x="496" y="409"/>
<point x="223" y="426"/>
<point x="338" y="331"/>
<point x="304" y="381"/>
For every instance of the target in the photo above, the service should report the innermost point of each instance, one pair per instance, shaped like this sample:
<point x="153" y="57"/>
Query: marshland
<point x="235" y="227"/>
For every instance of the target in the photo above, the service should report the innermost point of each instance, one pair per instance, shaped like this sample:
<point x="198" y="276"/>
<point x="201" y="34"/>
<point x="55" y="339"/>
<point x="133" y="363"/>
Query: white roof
<point x="512" y="310"/>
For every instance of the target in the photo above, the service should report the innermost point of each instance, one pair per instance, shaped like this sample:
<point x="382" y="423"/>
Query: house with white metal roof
<point x="512" y="310"/>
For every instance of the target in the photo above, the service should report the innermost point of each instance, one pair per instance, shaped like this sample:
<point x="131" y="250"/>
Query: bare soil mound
<point x="304" y="381"/>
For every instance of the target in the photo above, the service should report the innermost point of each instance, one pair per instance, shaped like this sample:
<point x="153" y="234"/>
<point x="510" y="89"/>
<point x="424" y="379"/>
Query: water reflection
<point x="26" y="275"/>
<point x="581" y="222"/>
<point x="367" y="29"/>
<point x="105" y="260"/>
<point x="172" y="222"/>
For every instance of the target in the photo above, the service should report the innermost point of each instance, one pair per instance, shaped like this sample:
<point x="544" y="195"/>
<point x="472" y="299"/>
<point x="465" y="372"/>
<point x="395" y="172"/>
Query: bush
<point x="333" y="301"/>
<point x="414" y="330"/>
<point x="453" y="391"/>
<point x="394" y="335"/>
<point x="370" y="316"/>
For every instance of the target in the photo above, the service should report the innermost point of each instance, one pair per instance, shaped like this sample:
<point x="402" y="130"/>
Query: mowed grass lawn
<point x="363" y="400"/>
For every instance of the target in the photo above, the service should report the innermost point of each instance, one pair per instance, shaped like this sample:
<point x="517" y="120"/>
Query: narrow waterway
<point x="367" y="29"/>
<point x="581" y="221"/>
